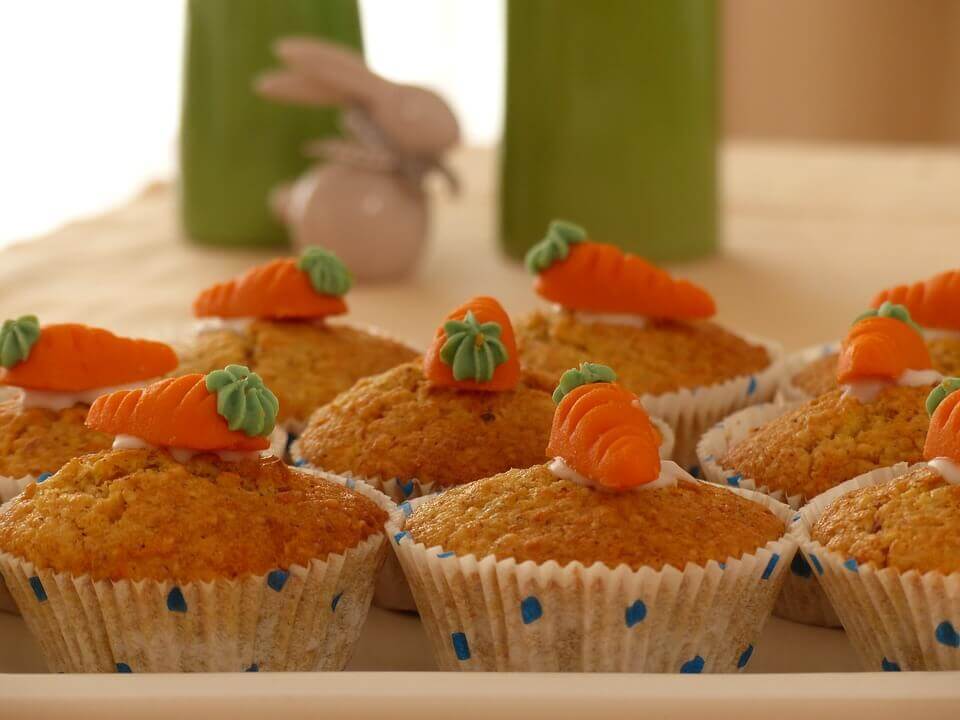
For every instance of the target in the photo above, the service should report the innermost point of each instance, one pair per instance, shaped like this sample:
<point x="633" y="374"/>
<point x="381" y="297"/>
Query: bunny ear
<point x="287" y="86"/>
<point x="337" y="71"/>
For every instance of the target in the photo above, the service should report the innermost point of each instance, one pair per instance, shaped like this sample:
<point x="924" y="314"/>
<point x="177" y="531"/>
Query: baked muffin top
<point x="831" y="439"/>
<point x="530" y="514"/>
<point x="820" y="376"/>
<point x="399" y="425"/>
<point x="306" y="364"/>
<point x="35" y="440"/>
<point x="660" y="357"/>
<point x="911" y="523"/>
<point x="138" y="514"/>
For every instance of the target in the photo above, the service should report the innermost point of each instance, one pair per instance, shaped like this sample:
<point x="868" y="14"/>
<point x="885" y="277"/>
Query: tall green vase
<point x="611" y="122"/>
<point x="235" y="146"/>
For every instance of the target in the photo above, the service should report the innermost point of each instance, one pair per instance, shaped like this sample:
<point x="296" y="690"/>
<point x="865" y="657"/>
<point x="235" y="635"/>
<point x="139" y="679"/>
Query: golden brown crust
<point x="659" y="358"/>
<point x="533" y="515"/>
<point x="134" y="514"/>
<point x="820" y="376"/>
<point x="817" y="377"/>
<point x="35" y="441"/>
<point x="912" y="523"/>
<point x="945" y="355"/>
<point x="305" y="364"/>
<point x="831" y="439"/>
<point x="396" y="425"/>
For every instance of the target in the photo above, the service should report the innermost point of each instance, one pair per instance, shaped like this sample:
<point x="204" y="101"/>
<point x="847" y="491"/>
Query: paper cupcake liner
<point x="392" y="590"/>
<point x="691" y="411"/>
<point x="802" y="599"/>
<point x="489" y="615"/>
<point x="895" y="620"/>
<point x="794" y="363"/>
<point x="300" y="618"/>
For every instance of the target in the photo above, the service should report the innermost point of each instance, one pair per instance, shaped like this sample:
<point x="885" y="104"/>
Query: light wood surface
<point x="811" y="233"/>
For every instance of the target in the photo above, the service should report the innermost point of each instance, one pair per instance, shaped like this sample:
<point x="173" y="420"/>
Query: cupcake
<point x="273" y="319"/>
<point x="616" y="308"/>
<point x="606" y="558"/>
<point x="466" y="411"/>
<point x="886" y="546"/>
<point x="874" y="418"/>
<point x="934" y="304"/>
<point x="188" y="546"/>
<point x="51" y="375"/>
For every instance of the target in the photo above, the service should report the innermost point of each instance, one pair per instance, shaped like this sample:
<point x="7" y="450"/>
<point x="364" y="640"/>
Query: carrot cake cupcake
<point x="616" y="308"/>
<point x="464" y="412"/>
<point x="51" y="375"/>
<point x="189" y="546"/>
<point x="934" y="304"/>
<point x="886" y="546"/>
<point x="606" y="558"/>
<point x="874" y="418"/>
<point x="273" y="319"/>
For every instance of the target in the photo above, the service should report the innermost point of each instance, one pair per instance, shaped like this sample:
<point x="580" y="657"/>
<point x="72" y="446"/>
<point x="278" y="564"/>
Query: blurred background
<point x="90" y="107"/>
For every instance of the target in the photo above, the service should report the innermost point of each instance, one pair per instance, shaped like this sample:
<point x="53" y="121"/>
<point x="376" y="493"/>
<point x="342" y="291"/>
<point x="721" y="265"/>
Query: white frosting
<point x="867" y="390"/>
<point x="947" y="468"/>
<point x="638" y="321"/>
<point x="182" y="455"/>
<point x="670" y="472"/>
<point x="62" y="400"/>
<point x="919" y="378"/>
<point x="214" y="324"/>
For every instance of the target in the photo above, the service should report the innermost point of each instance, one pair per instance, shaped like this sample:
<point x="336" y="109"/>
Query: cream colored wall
<point x="848" y="70"/>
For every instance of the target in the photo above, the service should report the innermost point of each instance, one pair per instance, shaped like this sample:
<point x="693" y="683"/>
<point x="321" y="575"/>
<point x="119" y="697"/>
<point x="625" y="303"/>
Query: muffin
<point x="273" y="319"/>
<point x="934" y="304"/>
<point x="51" y="375"/>
<point x="616" y="308"/>
<point x="874" y="418"/>
<point x="603" y="559"/>
<point x="886" y="546"/>
<point x="189" y="546"/>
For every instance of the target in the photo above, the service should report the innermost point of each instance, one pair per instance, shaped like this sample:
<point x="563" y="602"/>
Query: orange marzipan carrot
<point x="505" y="377"/>
<point x="602" y="433"/>
<point x="176" y="412"/>
<point x="277" y="289"/>
<point x="933" y="303"/>
<point x="597" y="277"/>
<point x="881" y="348"/>
<point x="71" y="357"/>
<point x="943" y="437"/>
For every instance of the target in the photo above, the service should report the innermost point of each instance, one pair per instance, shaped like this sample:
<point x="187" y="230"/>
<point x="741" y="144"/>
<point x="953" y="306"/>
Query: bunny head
<point x="411" y="121"/>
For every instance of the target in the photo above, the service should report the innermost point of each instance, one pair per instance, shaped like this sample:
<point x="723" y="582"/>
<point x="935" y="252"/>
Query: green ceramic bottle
<point x="611" y="122"/>
<point x="235" y="146"/>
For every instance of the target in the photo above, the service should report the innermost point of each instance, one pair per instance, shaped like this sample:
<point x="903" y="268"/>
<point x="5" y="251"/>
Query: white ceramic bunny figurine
<point x="366" y="202"/>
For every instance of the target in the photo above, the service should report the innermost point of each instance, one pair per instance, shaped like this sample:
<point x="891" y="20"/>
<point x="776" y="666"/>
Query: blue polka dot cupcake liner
<point x="297" y="618"/>
<point x="481" y="614"/>
<point x="788" y="392"/>
<point x="895" y="620"/>
<point x="691" y="411"/>
<point x="802" y="599"/>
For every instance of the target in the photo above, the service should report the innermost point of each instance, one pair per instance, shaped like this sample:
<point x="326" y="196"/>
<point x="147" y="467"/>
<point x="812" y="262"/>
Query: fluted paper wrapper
<point x="788" y="392"/>
<point x="692" y="411"/>
<point x="392" y="591"/>
<point x="895" y="620"/>
<point x="802" y="599"/>
<point x="485" y="615"/>
<point x="301" y="619"/>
